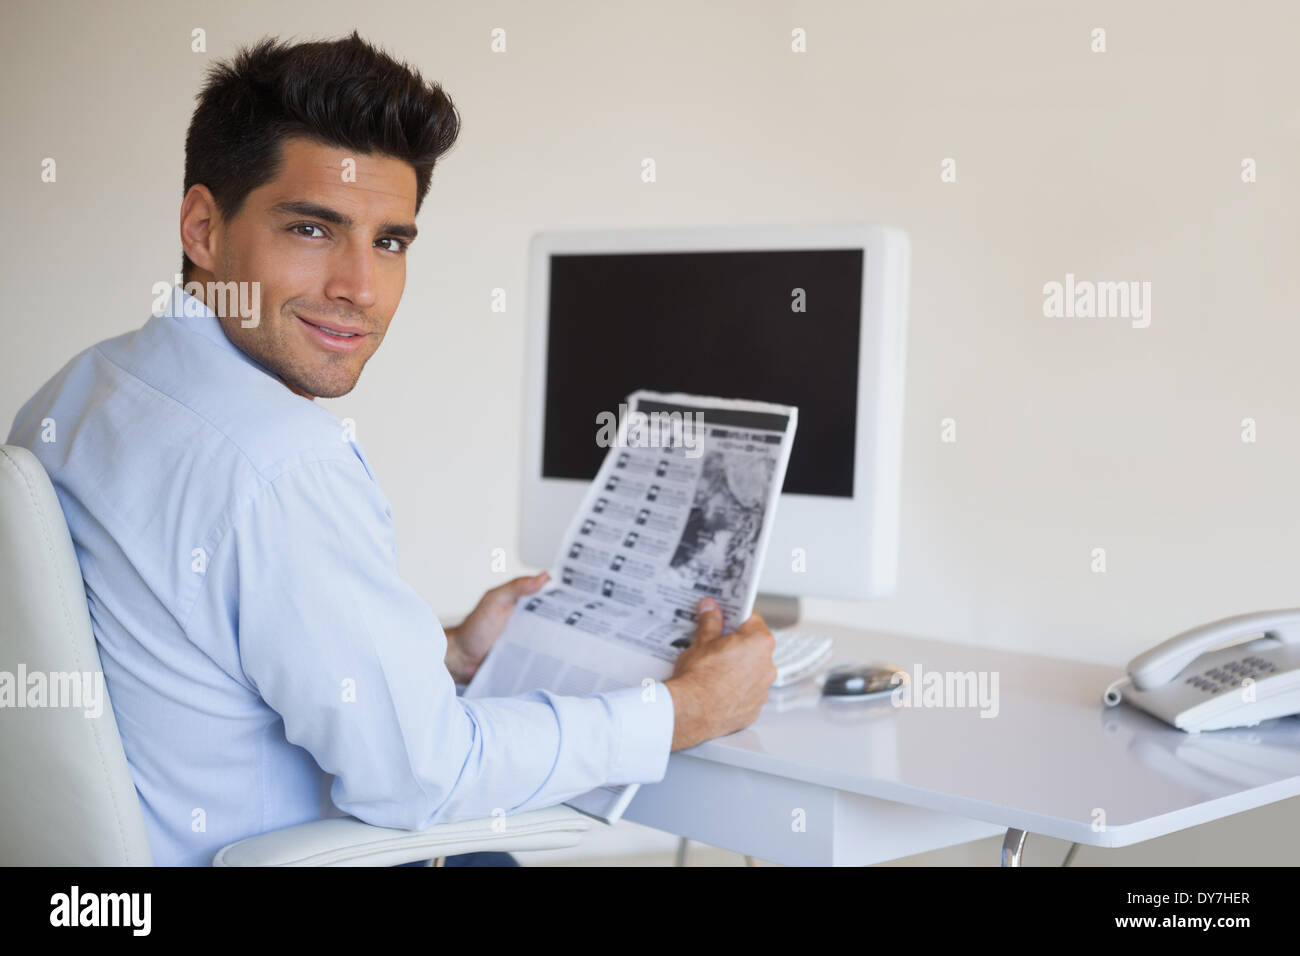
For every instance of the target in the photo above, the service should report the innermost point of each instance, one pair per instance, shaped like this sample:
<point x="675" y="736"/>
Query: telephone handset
<point x="1184" y="682"/>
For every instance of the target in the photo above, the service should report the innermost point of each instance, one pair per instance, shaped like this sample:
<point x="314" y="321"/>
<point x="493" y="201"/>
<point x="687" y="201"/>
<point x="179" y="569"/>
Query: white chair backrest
<point x="66" y="795"/>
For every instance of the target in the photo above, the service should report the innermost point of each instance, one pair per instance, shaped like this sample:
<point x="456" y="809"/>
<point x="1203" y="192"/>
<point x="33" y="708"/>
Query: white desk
<point x="877" y="782"/>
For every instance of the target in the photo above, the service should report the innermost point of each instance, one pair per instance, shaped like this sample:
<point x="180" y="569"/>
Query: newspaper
<point x="682" y="508"/>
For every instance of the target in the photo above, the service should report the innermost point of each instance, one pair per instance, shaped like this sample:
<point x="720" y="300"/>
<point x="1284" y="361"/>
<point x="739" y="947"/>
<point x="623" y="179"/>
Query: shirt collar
<point x="194" y="314"/>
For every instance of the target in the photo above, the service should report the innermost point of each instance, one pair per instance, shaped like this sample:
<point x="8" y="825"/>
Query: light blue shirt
<point x="266" y="663"/>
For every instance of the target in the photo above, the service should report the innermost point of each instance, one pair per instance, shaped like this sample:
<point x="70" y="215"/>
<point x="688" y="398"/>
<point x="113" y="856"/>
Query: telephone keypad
<point x="1232" y="674"/>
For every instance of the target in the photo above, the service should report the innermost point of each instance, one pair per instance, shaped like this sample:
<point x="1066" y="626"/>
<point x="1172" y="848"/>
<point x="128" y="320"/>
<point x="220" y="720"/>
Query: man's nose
<point x="352" y="275"/>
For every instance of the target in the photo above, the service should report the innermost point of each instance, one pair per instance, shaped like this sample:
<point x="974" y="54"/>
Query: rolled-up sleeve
<point x="352" y="659"/>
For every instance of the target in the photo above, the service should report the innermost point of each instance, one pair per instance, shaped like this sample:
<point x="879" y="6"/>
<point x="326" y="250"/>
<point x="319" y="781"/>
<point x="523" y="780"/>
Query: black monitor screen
<point x="726" y="324"/>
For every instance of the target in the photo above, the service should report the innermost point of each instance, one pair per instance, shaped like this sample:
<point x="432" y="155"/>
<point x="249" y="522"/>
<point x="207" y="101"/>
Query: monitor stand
<point x="778" y="610"/>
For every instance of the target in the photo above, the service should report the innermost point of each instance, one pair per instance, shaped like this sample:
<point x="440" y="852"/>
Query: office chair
<point x="66" y="794"/>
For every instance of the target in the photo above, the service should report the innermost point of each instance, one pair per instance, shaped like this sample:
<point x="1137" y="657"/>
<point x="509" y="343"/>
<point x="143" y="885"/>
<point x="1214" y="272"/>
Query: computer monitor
<point x="813" y="316"/>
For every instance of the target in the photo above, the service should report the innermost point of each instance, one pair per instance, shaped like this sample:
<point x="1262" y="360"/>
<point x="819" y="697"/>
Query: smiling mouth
<point x="333" y="333"/>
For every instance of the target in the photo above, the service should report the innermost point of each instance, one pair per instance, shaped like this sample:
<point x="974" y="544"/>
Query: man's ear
<point x="201" y="228"/>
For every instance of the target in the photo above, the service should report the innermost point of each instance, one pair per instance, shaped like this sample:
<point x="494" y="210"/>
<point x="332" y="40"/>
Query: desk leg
<point x="681" y="854"/>
<point x="1013" y="847"/>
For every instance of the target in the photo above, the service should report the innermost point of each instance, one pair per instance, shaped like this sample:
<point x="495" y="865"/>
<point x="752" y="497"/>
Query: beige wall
<point x="1073" y="434"/>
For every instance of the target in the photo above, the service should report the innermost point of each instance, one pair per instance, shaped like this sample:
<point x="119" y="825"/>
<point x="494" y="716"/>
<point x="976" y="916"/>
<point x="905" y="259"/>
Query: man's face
<point x="326" y="251"/>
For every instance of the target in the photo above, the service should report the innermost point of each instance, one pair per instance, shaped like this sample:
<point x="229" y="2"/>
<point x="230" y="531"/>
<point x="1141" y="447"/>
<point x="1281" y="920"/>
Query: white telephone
<point x="1186" y="683"/>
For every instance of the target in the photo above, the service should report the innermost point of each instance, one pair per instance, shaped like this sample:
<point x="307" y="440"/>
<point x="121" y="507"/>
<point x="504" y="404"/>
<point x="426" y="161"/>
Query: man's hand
<point x="469" y="642"/>
<point x="720" y="682"/>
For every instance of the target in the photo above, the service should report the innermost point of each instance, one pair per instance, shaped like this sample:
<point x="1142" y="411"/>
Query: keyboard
<point x="798" y="654"/>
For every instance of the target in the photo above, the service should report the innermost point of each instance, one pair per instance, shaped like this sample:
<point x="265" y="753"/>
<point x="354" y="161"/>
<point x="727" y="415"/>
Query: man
<point x="266" y="663"/>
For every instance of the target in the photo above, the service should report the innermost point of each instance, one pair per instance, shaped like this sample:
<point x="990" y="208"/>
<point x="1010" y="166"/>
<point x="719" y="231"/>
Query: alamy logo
<point x="84" y="689"/>
<point x="226" y="299"/>
<point x="1086" y="299"/>
<point x="102" y="909"/>
<point x="637" y="429"/>
<point x="946" y="689"/>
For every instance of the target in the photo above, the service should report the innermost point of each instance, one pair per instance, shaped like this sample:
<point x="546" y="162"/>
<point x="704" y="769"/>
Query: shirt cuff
<point x="644" y="718"/>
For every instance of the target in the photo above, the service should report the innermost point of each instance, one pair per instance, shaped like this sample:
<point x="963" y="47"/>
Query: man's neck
<point x="207" y="281"/>
<point x="310" y="398"/>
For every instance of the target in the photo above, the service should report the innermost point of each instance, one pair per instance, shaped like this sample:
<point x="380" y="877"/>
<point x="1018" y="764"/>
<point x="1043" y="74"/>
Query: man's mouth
<point x="337" y="331"/>
<point x="334" y="337"/>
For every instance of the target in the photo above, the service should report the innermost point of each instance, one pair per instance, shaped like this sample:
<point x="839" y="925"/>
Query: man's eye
<point x="297" y="227"/>
<point x="399" y="244"/>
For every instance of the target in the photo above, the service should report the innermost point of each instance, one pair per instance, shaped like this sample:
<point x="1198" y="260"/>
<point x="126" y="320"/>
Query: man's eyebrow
<point x="403" y="230"/>
<point x="314" y="210"/>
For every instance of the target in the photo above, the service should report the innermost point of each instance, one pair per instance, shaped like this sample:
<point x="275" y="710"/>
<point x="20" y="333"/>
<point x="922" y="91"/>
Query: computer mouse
<point x="859" y="680"/>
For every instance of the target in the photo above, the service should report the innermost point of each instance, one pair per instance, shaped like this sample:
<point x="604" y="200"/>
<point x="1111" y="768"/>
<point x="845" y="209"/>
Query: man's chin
<point x="318" y="388"/>
<point x="335" y="391"/>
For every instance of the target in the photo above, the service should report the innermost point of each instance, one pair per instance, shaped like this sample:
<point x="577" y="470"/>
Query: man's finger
<point x="517" y="587"/>
<point x="709" y="621"/>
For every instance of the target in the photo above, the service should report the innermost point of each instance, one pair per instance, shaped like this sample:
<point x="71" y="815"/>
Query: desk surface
<point x="1052" y="760"/>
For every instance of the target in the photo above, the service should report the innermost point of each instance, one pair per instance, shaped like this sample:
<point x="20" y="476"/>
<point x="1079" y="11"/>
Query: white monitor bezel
<point x="835" y="567"/>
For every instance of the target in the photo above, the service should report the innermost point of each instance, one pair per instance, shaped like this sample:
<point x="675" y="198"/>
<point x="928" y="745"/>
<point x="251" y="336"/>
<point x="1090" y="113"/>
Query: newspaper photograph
<point x="681" y="509"/>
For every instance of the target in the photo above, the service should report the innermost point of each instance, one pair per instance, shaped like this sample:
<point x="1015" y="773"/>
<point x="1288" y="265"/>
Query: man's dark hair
<point x="343" y="93"/>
